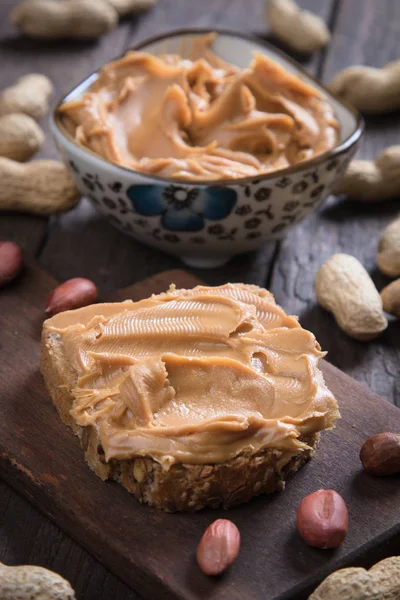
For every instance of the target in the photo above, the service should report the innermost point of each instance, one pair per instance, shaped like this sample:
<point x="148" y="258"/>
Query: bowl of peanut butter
<point x="205" y="144"/>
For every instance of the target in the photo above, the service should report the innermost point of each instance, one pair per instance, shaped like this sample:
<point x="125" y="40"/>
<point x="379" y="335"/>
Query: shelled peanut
<point x="322" y="519"/>
<point x="73" y="293"/>
<point x="219" y="547"/>
<point x="11" y="261"/>
<point x="380" y="454"/>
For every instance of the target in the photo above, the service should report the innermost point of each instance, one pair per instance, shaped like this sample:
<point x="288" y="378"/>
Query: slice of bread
<point x="182" y="486"/>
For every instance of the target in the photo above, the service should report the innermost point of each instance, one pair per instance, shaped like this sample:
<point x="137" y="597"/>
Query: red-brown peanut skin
<point x="71" y="294"/>
<point x="11" y="261"/>
<point x="322" y="519"/>
<point x="380" y="454"/>
<point x="218" y="547"/>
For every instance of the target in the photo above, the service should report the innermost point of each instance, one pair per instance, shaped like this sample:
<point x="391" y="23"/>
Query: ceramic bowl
<point x="207" y="223"/>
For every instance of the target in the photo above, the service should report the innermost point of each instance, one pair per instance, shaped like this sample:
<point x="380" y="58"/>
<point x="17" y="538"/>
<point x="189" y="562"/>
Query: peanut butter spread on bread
<point x="194" y="376"/>
<point x="201" y="118"/>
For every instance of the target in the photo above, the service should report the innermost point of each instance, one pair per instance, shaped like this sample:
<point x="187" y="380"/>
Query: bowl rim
<point x="340" y="148"/>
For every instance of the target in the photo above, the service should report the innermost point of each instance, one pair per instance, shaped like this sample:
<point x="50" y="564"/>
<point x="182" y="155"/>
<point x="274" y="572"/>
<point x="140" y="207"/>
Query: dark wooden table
<point x="82" y="243"/>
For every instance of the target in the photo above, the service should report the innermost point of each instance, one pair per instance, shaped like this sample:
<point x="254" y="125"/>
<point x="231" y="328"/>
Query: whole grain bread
<point x="182" y="487"/>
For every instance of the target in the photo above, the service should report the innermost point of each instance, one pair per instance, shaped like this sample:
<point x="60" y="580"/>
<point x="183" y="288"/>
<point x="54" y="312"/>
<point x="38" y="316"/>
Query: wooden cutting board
<point x="154" y="551"/>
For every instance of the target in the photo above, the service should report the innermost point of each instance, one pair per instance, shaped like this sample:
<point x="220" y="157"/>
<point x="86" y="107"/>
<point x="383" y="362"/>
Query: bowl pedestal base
<point x="206" y="262"/>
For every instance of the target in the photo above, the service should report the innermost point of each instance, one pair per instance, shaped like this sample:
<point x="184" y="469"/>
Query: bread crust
<point x="182" y="487"/>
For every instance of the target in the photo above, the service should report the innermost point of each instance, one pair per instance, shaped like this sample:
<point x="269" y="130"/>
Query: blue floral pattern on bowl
<point x="182" y="208"/>
<point x="206" y="224"/>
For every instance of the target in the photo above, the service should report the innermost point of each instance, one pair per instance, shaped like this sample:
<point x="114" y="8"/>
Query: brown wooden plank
<point x="368" y="33"/>
<point x="97" y="243"/>
<point x="27" y="537"/>
<point x="27" y="230"/>
<point x="41" y="458"/>
<point x="83" y="243"/>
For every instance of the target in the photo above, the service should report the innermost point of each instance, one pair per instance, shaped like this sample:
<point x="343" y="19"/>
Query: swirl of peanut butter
<point x="194" y="376"/>
<point x="201" y="118"/>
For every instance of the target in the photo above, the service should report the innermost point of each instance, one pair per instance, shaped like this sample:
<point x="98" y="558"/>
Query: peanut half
<point x="11" y="262"/>
<point x="380" y="454"/>
<point x="218" y="547"/>
<point x="322" y="519"/>
<point x="343" y="287"/>
<point x="73" y="293"/>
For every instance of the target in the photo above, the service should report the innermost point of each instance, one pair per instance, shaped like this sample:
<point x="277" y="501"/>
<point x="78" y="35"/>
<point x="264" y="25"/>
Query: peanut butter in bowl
<point x="200" y="118"/>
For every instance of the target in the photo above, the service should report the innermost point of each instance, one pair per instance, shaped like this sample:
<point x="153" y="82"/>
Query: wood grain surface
<point x="83" y="243"/>
<point x="154" y="551"/>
